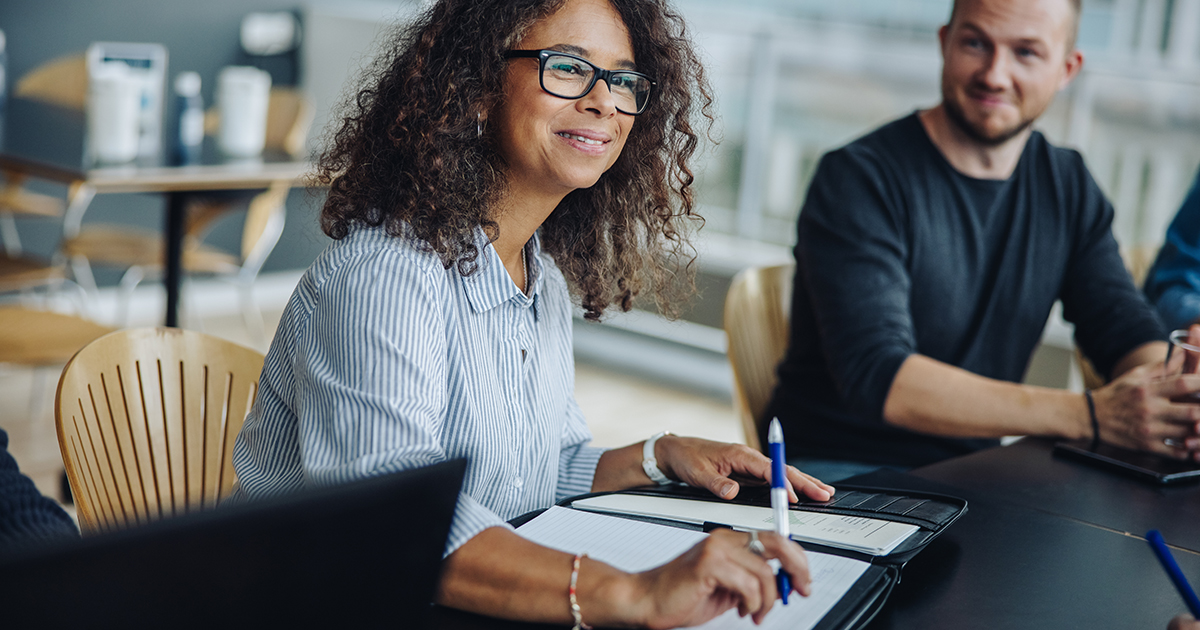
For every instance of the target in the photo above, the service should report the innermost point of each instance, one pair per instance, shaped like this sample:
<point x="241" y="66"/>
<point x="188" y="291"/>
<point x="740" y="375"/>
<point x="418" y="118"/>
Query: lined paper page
<point x="637" y="546"/>
<point x="868" y="535"/>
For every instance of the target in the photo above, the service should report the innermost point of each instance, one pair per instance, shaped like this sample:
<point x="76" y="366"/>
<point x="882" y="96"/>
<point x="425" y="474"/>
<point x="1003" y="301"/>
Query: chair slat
<point x="157" y="411"/>
<point x="109" y="422"/>
<point x="195" y="400"/>
<point x="102" y="503"/>
<point x="138" y="464"/>
<point x="174" y="418"/>
<point x="220" y="387"/>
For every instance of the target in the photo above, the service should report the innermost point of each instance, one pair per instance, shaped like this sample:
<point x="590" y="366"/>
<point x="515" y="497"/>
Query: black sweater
<point x="898" y="253"/>
<point x="26" y="517"/>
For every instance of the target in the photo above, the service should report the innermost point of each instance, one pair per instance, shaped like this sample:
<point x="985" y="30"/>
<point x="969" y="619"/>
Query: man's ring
<point x="755" y="545"/>
<point x="1173" y="443"/>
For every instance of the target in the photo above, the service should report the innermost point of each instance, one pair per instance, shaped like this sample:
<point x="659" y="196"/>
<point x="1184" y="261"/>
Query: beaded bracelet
<point x="571" y="594"/>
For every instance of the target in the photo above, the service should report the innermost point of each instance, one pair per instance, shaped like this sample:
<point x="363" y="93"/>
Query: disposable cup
<point x="114" y="105"/>
<point x="243" y="96"/>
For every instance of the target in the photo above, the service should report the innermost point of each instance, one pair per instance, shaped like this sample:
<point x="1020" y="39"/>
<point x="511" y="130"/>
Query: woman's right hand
<point x="717" y="574"/>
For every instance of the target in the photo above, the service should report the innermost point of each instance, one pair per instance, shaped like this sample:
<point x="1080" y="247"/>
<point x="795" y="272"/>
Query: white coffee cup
<point x="114" y="105"/>
<point x="243" y="94"/>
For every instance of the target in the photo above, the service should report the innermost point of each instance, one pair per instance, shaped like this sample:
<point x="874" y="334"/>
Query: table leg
<point x="176" y="217"/>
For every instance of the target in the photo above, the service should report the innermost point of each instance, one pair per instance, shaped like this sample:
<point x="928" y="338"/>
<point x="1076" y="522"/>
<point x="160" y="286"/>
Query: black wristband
<point x="1087" y="394"/>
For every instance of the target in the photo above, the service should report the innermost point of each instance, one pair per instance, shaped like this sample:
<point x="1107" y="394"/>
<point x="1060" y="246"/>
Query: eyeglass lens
<point x="568" y="77"/>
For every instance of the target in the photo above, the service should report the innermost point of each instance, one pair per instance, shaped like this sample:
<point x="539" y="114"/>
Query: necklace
<point x="524" y="273"/>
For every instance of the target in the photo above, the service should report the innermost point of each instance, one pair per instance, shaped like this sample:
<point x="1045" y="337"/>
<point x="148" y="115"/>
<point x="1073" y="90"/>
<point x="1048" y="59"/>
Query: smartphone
<point x="1145" y="466"/>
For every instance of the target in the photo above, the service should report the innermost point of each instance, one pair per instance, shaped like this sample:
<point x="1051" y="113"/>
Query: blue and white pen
<point x="779" y="498"/>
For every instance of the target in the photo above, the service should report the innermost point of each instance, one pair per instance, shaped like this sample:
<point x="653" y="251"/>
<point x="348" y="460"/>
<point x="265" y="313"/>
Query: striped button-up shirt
<point x="385" y="360"/>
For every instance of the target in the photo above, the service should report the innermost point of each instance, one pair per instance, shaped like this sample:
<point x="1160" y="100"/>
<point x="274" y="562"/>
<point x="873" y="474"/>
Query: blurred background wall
<point x="793" y="79"/>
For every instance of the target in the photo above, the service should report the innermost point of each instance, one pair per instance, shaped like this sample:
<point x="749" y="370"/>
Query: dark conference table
<point x="1029" y="474"/>
<point x="47" y="142"/>
<point x="1045" y="543"/>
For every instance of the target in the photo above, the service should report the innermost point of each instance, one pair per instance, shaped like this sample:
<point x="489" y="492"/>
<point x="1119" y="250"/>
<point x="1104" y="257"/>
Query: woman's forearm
<point x="501" y="574"/>
<point x="622" y="468"/>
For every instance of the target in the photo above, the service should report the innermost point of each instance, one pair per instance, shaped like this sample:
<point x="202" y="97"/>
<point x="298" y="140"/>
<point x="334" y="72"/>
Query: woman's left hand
<point x="722" y="467"/>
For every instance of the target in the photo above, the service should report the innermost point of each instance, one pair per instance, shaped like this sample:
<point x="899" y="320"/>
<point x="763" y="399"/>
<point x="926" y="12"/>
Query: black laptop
<point x="361" y="555"/>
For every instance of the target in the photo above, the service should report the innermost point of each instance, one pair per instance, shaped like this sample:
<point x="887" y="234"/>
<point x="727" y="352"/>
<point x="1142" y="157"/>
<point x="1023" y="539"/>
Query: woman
<point x="498" y="143"/>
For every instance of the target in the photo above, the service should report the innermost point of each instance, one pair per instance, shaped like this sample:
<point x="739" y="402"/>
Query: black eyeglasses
<point x="571" y="77"/>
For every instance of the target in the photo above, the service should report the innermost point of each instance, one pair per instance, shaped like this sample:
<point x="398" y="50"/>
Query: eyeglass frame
<point x="543" y="54"/>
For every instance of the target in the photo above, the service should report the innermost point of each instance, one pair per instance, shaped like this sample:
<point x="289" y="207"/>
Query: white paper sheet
<point x="868" y="535"/>
<point x="637" y="546"/>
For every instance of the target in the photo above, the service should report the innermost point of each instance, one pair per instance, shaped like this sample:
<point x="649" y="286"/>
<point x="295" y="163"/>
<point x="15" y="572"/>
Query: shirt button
<point x="518" y="483"/>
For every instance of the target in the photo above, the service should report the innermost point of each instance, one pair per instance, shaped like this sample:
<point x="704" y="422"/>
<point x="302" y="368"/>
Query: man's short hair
<point x="1076" y="5"/>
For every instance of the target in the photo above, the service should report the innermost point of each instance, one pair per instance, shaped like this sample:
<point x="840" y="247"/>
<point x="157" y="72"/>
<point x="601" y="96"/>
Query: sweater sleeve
<point x="27" y="517"/>
<point x="1111" y="317"/>
<point x="851" y="254"/>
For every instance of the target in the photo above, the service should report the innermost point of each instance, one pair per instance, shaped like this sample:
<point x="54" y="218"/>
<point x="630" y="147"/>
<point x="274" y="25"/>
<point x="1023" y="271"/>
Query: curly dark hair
<point x="407" y="154"/>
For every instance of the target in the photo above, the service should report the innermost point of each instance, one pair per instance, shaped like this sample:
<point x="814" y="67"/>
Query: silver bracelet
<point x="650" y="464"/>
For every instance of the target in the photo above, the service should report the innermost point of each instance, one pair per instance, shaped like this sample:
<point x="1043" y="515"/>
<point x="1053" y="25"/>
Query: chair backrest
<point x="264" y="224"/>
<point x="289" y="117"/>
<point x="62" y="82"/>
<point x="36" y="337"/>
<point x="757" y="315"/>
<point x="146" y="423"/>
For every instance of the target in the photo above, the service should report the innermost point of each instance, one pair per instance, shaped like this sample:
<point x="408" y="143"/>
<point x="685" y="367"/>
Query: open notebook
<point x="633" y="545"/>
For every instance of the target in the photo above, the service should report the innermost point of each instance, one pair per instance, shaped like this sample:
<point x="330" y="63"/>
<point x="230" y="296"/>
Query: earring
<point x="478" y="124"/>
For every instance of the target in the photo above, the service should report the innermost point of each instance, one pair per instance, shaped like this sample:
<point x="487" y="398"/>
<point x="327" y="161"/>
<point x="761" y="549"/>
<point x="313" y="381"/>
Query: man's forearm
<point x="932" y="397"/>
<point x="1145" y="354"/>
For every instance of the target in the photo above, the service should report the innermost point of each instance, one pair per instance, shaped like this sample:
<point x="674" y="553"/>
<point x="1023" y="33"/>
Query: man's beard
<point x="956" y="116"/>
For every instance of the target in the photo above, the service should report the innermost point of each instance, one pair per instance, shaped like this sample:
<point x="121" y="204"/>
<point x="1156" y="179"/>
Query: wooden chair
<point x="61" y="82"/>
<point x="41" y="340"/>
<point x="146" y="422"/>
<point x="35" y="338"/>
<point x="757" y="316"/>
<point x="20" y="271"/>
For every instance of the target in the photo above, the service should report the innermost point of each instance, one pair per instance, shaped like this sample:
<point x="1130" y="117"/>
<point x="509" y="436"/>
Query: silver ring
<point x="755" y="545"/>
<point x="1173" y="443"/>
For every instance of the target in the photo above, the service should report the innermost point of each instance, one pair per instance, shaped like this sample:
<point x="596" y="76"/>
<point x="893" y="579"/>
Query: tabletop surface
<point x="48" y="141"/>
<point x="1030" y="474"/>
<point x="1003" y="565"/>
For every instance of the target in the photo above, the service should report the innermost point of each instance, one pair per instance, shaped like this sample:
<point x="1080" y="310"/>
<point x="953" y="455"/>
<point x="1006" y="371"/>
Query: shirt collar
<point x="491" y="285"/>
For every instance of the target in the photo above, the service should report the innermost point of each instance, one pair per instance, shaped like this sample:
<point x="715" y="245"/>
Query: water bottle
<point x="191" y="118"/>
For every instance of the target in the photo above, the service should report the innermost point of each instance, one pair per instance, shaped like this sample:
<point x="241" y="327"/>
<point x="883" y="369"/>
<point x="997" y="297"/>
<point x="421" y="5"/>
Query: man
<point x="929" y="254"/>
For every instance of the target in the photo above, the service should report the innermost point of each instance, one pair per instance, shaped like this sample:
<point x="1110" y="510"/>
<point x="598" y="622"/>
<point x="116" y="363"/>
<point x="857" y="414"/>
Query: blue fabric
<point x="385" y="360"/>
<point x="1173" y="284"/>
<point x="27" y="517"/>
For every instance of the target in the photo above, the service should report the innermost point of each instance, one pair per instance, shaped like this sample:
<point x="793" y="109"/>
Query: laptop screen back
<point x="365" y="554"/>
